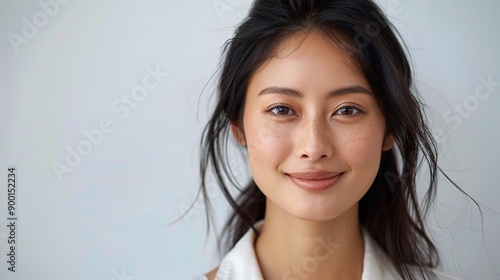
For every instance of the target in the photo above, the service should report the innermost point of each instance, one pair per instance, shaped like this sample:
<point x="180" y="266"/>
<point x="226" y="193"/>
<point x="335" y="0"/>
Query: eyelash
<point x="347" y="105"/>
<point x="350" y="105"/>
<point x="278" y="105"/>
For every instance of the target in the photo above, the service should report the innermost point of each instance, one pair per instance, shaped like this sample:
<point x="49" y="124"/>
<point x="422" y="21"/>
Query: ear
<point x="388" y="142"/>
<point x="237" y="133"/>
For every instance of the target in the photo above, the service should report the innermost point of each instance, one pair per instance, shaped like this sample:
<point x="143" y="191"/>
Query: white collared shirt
<point x="241" y="262"/>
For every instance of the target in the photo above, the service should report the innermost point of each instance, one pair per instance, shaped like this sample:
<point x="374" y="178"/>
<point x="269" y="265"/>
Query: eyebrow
<point x="297" y="93"/>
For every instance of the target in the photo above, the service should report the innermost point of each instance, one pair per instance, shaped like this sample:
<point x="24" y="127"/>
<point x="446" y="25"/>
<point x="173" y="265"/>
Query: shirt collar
<point x="241" y="262"/>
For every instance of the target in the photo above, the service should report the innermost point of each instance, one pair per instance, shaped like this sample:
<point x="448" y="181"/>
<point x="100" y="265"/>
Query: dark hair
<point x="390" y="210"/>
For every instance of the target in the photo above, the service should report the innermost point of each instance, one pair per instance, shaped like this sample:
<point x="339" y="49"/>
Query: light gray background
<point x="108" y="218"/>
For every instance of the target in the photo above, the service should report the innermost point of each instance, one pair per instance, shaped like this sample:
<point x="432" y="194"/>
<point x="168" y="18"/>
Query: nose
<point x="316" y="140"/>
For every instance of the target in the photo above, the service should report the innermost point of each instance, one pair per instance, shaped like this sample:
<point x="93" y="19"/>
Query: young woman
<point x="319" y="93"/>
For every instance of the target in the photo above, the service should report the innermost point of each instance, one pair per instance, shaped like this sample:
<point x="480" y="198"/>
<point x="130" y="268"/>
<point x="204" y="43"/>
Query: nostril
<point x="313" y="157"/>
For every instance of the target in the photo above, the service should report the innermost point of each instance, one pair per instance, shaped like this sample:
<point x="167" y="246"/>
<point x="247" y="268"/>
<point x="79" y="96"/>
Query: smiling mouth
<point x="314" y="180"/>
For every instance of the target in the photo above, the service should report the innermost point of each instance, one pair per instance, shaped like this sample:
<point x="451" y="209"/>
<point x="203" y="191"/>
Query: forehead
<point x="308" y="59"/>
<point x="302" y="40"/>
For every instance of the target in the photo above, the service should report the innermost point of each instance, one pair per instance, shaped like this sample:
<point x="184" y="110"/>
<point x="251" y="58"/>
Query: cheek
<point x="266" y="144"/>
<point x="363" y="146"/>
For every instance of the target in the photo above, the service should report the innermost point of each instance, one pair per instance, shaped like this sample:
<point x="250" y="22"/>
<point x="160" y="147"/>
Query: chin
<point x="315" y="214"/>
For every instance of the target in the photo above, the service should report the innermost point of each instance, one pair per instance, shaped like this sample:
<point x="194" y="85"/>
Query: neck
<point x="293" y="248"/>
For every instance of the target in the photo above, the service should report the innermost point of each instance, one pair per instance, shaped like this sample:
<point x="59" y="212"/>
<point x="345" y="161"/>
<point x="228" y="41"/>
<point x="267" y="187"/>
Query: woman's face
<point x="313" y="130"/>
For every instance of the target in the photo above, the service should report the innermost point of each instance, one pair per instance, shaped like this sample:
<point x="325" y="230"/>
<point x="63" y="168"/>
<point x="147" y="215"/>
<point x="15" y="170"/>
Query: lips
<point x="314" y="180"/>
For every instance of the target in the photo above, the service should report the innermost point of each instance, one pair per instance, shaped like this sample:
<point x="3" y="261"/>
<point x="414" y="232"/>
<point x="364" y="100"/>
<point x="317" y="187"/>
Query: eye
<point x="348" y="110"/>
<point x="280" y="110"/>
